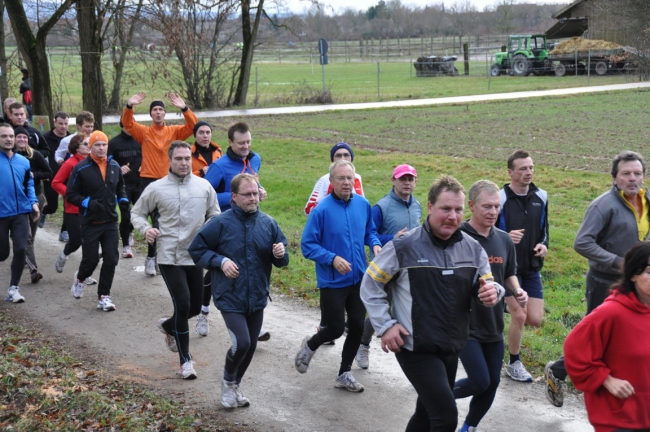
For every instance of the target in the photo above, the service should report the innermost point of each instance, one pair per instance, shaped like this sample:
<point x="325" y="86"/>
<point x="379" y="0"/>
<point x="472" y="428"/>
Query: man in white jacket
<point x="185" y="203"/>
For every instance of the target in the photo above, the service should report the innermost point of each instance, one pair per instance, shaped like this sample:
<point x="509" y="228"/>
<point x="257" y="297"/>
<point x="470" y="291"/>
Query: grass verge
<point x="43" y="387"/>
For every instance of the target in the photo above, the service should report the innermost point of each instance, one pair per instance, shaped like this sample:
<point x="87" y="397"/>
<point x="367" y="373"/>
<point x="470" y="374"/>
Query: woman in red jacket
<point x="79" y="150"/>
<point x="608" y="352"/>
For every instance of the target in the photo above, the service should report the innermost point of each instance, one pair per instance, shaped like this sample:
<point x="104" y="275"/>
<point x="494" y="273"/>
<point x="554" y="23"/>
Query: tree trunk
<point x="90" y="22"/>
<point x="249" y="35"/>
<point x="126" y="41"/>
<point x="4" y="88"/>
<point x="32" y="49"/>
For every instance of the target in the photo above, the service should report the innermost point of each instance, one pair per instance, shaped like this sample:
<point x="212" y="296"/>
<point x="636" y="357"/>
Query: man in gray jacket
<point x="185" y="203"/>
<point x="432" y="272"/>
<point x="614" y="222"/>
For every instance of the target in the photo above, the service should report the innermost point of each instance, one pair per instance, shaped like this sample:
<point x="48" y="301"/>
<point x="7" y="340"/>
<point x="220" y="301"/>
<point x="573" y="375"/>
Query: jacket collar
<point x="232" y="155"/>
<point x="465" y="226"/>
<point x="510" y="193"/>
<point x="400" y="200"/>
<point x="437" y="241"/>
<point x="178" y="180"/>
<point x="241" y="214"/>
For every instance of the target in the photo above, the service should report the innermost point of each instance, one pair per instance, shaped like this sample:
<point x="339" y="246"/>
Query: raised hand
<point x="137" y="98"/>
<point x="176" y="100"/>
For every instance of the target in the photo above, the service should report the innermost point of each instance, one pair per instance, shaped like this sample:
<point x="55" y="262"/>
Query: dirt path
<point x="128" y="343"/>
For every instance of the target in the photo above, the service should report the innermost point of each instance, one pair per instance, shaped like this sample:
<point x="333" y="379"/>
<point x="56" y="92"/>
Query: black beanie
<point x="155" y="104"/>
<point x="199" y="124"/>
<point x="21" y="130"/>
<point x="340" y="146"/>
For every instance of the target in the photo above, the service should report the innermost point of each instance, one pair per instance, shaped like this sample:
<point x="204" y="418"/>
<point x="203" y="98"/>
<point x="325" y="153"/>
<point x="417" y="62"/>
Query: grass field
<point x="285" y="83"/>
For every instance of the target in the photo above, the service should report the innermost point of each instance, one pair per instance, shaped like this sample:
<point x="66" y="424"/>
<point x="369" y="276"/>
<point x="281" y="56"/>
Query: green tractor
<point x="524" y="55"/>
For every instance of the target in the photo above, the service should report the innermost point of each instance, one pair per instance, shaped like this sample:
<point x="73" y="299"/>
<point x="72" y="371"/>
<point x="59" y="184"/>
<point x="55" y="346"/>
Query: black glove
<point x="96" y="206"/>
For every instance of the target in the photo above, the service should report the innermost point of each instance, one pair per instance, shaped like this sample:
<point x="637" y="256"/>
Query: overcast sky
<point x="297" y="6"/>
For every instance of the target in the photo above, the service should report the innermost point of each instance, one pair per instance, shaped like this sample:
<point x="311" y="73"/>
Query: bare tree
<point x="125" y="18"/>
<point x="90" y="19"/>
<point x="249" y="31"/>
<point x="505" y="16"/>
<point x="4" y="88"/>
<point x="196" y="33"/>
<point x="32" y="48"/>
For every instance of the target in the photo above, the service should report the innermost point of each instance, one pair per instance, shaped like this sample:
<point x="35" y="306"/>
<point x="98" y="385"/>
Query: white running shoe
<point x="170" y="341"/>
<point x="14" y="296"/>
<point x="187" y="370"/>
<point x="77" y="288"/>
<point x="105" y="304"/>
<point x="361" y="359"/>
<point x="264" y="335"/>
<point x="131" y="239"/>
<point x="60" y="262"/>
<point x="304" y="356"/>
<point x="150" y="266"/>
<point x="202" y="326"/>
<point x="127" y="252"/>
<point x="347" y="381"/>
<point x="518" y="372"/>
<point x="90" y="281"/>
<point x="242" y="401"/>
<point x="229" y="394"/>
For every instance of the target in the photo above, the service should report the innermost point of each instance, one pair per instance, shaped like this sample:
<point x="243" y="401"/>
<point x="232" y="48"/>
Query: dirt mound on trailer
<point x="580" y="44"/>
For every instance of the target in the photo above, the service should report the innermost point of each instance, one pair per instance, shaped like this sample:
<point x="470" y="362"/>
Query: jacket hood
<point x="630" y="301"/>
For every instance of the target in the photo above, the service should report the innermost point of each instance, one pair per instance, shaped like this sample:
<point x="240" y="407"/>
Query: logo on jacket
<point x="495" y="259"/>
<point x="423" y="260"/>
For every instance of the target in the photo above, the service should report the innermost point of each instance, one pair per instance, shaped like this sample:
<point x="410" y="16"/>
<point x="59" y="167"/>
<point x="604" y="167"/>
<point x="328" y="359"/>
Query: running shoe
<point x="150" y="266"/>
<point x="41" y="220"/>
<point x="187" y="370"/>
<point x="35" y="275"/>
<point x="304" y="356"/>
<point x="77" y="288"/>
<point x="60" y="262"/>
<point x="347" y="381"/>
<point x="242" y="401"/>
<point x="518" y="372"/>
<point x="64" y="237"/>
<point x="104" y="303"/>
<point x="131" y="239"/>
<point x="229" y="394"/>
<point x="202" y="325"/>
<point x="361" y="359"/>
<point x="170" y="341"/>
<point x="14" y="296"/>
<point x="554" y="386"/>
<point x="90" y="281"/>
<point x="127" y="252"/>
<point x="264" y="335"/>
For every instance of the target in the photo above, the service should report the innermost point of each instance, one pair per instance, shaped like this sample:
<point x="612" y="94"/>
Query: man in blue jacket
<point x="334" y="239"/>
<point x="18" y="201"/>
<point x="239" y="247"/>
<point x="238" y="159"/>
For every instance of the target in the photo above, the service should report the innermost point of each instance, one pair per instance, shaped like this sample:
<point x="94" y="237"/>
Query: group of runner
<point x="198" y="208"/>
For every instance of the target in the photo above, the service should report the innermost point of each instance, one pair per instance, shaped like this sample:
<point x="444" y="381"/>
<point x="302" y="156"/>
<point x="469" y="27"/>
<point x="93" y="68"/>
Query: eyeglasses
<point x="249" y="195"/>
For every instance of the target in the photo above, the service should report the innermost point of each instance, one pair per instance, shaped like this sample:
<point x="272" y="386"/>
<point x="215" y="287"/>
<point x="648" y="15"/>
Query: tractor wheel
<point x="560" y="70"/>
<point x="495" y="70"/>
<point x="520" y="65"/>
<point x="601" y="68"/>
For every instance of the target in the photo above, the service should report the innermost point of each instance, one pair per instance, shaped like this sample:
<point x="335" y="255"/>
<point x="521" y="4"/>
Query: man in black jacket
<point x="128" y="154"/>
<point x="524" y="215"/>
<point x="17" y="117"/>
<point x="94" y="185"/>
<point x="53" y="139"/>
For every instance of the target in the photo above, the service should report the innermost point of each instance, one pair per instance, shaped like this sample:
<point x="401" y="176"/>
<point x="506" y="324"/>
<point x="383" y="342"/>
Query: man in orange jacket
<point x="155" y="140"/>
